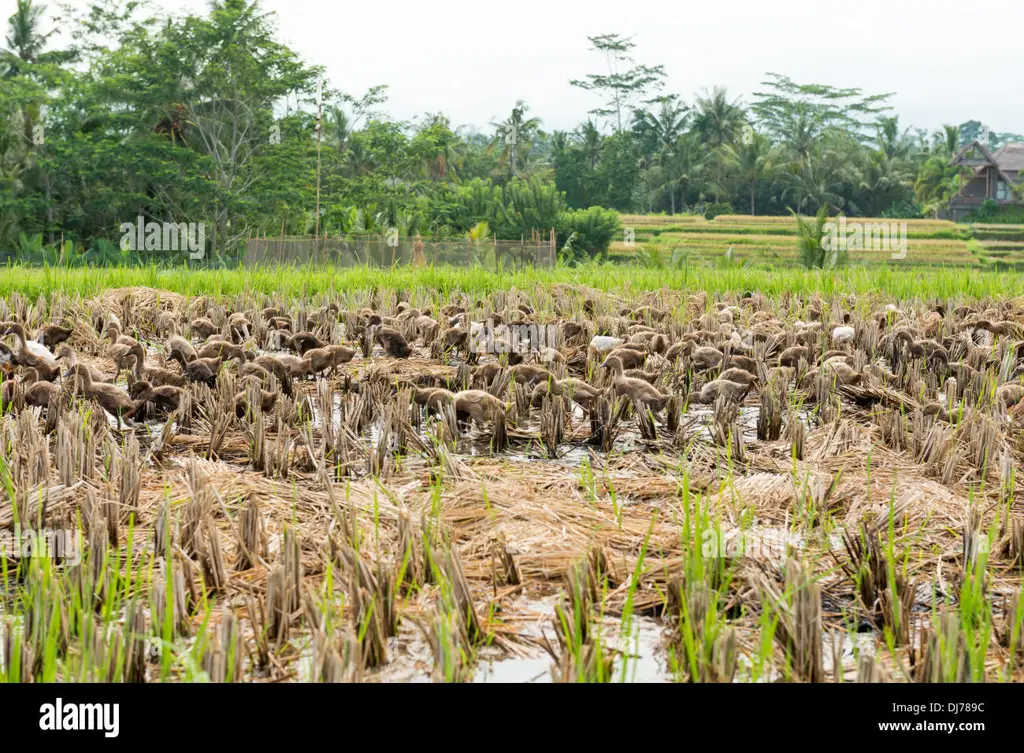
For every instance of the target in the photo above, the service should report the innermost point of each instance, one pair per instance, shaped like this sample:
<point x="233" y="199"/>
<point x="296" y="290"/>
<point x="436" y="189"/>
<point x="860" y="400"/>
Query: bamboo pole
<point x="280" y="243"/>
<point x="319" y="135"/>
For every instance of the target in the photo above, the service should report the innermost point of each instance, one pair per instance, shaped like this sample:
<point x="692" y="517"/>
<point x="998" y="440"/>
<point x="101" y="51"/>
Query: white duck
<point x="843" y="335"/>
<point x="605" y="343"/>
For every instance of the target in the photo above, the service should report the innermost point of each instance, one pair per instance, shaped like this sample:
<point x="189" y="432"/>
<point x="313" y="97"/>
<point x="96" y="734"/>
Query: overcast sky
<point x="946" y="61"/>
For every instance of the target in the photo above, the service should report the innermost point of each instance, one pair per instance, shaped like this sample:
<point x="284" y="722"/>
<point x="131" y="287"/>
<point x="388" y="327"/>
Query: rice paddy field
<point x="772" y="241"/>
<point x="574" y="475"/>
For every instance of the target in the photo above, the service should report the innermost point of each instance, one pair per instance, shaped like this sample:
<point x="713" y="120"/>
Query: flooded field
<point x="556" y="485"/>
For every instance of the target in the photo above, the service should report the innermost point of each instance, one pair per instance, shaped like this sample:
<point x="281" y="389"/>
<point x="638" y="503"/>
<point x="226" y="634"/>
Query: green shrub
<point x="716" y="208"/>
<point x="594" y="228"/>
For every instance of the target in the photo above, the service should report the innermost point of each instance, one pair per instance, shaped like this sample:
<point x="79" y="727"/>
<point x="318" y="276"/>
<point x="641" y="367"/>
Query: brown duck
<point x="635" y="389"/>
<point x="111" y="398"/>
<point x="393" y="342"/>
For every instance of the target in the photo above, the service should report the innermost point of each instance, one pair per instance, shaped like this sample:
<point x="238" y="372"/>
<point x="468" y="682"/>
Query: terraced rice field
<point x="772" y="241"/>
<point x="361" y="485"/>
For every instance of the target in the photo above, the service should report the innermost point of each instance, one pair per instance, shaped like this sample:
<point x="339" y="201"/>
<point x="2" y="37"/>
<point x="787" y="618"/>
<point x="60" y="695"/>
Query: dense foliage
<point x="211" y="119"/>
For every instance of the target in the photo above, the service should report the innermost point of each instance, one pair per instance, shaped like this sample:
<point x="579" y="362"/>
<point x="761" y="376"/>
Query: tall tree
<point x="752" y="161"/>
<point x="625" y="84"/>
<point x="516" y="133"/>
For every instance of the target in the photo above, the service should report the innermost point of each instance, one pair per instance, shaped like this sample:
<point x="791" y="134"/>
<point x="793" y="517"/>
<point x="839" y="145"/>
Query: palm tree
<point x="25" y="42"/>
<point x="336" y="129"/>
<point x="893" y="143"/>
<point x="718" y="121"/>
<point x="359" y="160"/>
<point x="686" y="166"/>
<point x="446" y="147"/>
<point x="752" y="160"/>
<point x="812" y="184"/>
<point x="517" y="130"/>
<point x="947" y="141"/>
<point x="590" y="142"/>
<point x="664" y="127"/>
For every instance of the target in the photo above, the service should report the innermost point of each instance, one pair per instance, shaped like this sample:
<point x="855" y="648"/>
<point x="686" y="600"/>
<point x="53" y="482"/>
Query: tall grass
<point x="941" y="282"/>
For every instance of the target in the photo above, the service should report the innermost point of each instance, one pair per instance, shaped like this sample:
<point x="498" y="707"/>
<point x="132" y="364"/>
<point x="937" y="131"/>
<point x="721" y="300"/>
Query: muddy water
<point x="642" y="658"/>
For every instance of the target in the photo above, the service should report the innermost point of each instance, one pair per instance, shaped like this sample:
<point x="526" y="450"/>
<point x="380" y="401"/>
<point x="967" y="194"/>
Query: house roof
<point x="1010" y="157"/>
<point x="1008" y="160"/>
<point x="962" y="159"/>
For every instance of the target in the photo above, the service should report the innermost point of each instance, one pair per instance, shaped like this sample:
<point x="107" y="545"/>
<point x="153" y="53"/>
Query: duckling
<point x="165" y="397"/>
<point x="31" y="353"/>
<point x="242" y="404"/>
<point x="937" y="410"/>
<point x="479" y="406"/>
<point x="737" y="375"/>
<point x="164" y="324"/>
<point x="631" y="359"/>
<point x="576" y="390"/>
<point x="124" y="355"/>
<point x="222" y="349"/>
<point x="455" y="339"/>
<point x="549" y="356"/>
<point x="181" y="350"/>
<point x="203" y="328"/>
<point x="427" y="327"/>
<point x="52" y="335"/>
<point x="67" y="353"/>
<point x="717" y="388"/>
<point x="485" y="375"/>
<point x="112" y="399"/>
<point x="432" y="397"/>
<point x="704" y="357"/>
<point x="844" y="373"/>
<point x="636" y="389"/>
<point x="38" y="393"/>
<point x="744" y="363"/>
<point x="239" y="327"/>
<point x="159" y="376"/>
<point x="921" y="348"/>
<point x="301" y="342"/>
<point x="116" y="337"/>
<point x="254" y="370"/>
<point x="393" y="342"/>
<point x="329" y="357"/>
<point x="276" y="367"/>
<point x="781" y="375"/>
<point x="648" y="376"/>
<point x="297" y="367"/>
<point x="791" y="356"/>
<point x="529" y="374"/>
<point x="1003" y="328"/>
<point x="1010" y="394"/>
<point x="203" y="370"/>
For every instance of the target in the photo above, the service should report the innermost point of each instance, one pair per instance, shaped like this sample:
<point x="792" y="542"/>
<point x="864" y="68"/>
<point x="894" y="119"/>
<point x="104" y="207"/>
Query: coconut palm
<point x="662" y="128"/>
<point x="892" y="142"/>
<point x="813" y="184"/>
<point x="813" y="252"/>
<point x="25" y="41"/>
<point x="718" y="121"/>
<point x="590" y="142"/>
<point x="516" y="133"/>
<point x="752" y="160"/>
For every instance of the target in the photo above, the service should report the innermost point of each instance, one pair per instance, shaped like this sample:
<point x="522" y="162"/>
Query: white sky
<point x="947" y="61"/>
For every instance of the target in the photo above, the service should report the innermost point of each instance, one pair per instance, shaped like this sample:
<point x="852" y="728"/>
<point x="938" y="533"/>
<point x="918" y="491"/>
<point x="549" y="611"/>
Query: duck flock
<point x="660" y="356"/>
<point x="872" y="415"/>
